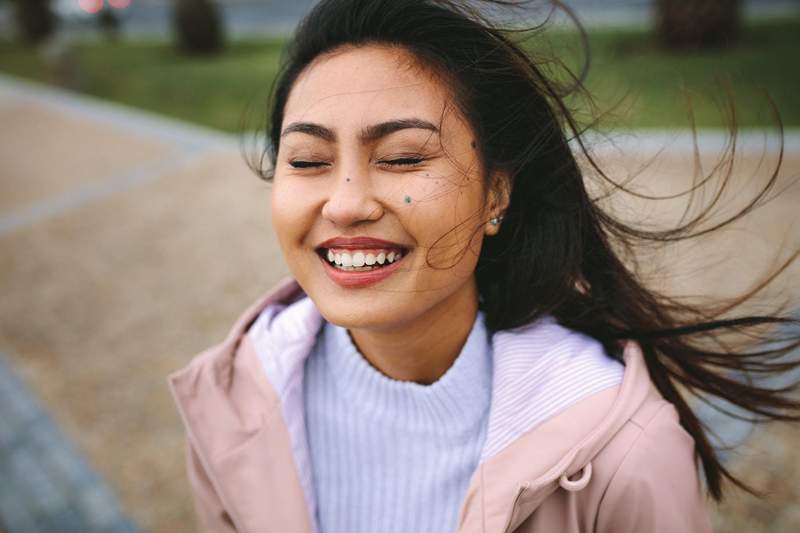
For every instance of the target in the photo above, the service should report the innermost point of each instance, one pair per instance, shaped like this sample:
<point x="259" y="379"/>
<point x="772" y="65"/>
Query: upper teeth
<point x="360" y="258"/>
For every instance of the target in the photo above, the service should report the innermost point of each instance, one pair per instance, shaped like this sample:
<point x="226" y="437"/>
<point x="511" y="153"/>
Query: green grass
<point x="216" y="92"/>
<point x="653" y="85"/>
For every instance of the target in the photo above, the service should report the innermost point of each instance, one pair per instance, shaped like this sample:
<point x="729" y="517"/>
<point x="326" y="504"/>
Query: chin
<point x="377" y="313"/>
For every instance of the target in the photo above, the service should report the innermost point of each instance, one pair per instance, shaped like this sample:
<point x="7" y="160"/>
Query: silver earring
<point x="495" y="221"/>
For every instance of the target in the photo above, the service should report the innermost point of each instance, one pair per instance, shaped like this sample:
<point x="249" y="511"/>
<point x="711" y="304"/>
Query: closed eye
<point x="403" y="161"/>
<point x="306" y="164"/>
<point x="400" y="161"/>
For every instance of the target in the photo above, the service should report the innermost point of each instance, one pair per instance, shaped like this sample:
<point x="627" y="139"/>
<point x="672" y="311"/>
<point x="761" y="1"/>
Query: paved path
<point x="47" y="485"/>
<point x="129" y="242"/>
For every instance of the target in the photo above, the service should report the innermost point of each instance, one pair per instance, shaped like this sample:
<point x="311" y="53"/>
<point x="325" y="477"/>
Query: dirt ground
<point x="125" y="249"/>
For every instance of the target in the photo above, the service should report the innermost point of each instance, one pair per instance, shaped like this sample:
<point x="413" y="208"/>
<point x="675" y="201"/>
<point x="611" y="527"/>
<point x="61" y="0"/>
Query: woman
<point x="459" y="347"/>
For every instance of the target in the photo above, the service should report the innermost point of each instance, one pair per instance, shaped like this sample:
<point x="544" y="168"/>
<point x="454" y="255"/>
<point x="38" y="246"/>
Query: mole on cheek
<point x="407" y="199"/>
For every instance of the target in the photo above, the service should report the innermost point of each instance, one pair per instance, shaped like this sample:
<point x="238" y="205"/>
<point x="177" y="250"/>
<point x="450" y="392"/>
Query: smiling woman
<point x="345" y="166"/>
<point x="459" y="348"/>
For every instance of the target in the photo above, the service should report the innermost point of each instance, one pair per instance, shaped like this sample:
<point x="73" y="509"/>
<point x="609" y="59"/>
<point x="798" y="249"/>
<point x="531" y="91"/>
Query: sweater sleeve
<point x="211" y="513"/>
<point x="656" y="488"/>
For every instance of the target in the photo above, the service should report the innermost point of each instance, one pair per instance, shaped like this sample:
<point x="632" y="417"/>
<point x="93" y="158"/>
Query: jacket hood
<point x="241" y="416"/>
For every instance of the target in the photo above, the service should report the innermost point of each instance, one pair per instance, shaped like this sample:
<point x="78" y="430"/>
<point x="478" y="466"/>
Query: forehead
<point x="357" y="86"/>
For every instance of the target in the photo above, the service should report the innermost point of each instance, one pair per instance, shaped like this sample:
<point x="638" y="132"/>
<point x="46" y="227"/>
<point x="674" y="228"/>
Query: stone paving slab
<point x="110" y="284"/>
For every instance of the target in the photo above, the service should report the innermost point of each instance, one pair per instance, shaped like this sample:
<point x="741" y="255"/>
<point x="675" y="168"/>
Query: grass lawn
<point x="215" y="92"/>
<point x="653" y="85"/>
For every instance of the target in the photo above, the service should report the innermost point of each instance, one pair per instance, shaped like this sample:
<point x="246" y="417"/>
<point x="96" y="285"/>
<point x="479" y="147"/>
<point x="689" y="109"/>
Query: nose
<point x="352" y="200"/>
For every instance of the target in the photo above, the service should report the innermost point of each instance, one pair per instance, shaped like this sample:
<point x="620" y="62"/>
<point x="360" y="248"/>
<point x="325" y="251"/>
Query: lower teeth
<point x="358" y="269"/>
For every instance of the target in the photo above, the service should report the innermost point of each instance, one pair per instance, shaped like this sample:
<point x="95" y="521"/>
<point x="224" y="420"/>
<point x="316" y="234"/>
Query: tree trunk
<point x="198" y="26"/>
<point x="698" y="23"/>
<point x="35" y="20"/>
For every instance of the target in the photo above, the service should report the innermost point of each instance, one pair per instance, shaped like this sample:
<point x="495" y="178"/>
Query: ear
<point x="497" y="202"/>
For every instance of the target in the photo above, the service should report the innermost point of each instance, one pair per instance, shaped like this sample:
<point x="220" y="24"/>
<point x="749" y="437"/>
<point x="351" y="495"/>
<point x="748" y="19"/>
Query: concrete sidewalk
<point x="129" y="242"/>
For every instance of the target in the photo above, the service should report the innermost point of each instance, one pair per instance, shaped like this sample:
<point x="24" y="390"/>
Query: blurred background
<point x="132" y="233"/>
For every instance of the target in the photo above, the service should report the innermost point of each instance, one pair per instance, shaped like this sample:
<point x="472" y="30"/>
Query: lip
<point x="358" y="280"/>
<point x="360" y="243"/>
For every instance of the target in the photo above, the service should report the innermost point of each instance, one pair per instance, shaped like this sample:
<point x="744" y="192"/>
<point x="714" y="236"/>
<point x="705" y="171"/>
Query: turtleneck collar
<point x="455" y="404"/>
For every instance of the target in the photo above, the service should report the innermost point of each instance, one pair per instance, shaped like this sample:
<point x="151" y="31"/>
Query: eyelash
<point x="402" y="161"/>
<point x="306" y="164"/>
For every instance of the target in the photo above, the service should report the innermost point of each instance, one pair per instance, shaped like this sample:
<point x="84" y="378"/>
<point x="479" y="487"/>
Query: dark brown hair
<point x="558" y="252"/>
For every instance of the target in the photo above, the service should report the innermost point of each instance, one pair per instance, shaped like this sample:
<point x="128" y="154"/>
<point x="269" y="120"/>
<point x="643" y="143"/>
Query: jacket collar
<point x="233" y="421"/>
<point x="233" y="416"/>
<point x="509" y="490"/>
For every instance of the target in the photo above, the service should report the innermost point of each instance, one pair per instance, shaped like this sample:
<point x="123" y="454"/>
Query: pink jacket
<point x="615" y="462"/>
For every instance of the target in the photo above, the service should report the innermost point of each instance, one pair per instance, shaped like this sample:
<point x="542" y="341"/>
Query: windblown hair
<point x="558" y="252"/>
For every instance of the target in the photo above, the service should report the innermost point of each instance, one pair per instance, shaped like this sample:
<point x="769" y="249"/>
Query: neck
<point x="425" y="348"/>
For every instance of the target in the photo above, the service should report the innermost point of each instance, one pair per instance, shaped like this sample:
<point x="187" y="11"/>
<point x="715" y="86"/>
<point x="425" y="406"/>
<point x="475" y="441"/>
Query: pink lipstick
<point x="356" y="262"/>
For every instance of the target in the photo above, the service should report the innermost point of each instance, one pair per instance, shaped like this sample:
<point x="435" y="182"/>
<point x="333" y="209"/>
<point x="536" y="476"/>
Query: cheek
<point x="289" y="216"/>
<point x="279" y="214"/>
<point x="448" y="220"/>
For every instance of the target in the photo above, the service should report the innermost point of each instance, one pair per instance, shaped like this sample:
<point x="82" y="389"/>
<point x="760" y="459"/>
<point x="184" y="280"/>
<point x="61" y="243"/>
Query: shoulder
<point x="651" y="436"/>
<point x="546" y="334"/>
<point x="546" y="372"/>
<point x="547" y="344"/>
<point x="649" y="474"/>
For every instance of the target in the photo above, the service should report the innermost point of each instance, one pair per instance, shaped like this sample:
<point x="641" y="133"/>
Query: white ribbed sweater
<point x="387" y="455"/>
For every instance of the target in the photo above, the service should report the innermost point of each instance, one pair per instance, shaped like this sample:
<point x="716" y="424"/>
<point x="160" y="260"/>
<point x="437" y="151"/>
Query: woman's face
<point x="378" y="200"/>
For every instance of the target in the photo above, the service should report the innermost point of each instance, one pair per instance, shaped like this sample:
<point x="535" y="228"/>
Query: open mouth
<point x="351" y="260"/>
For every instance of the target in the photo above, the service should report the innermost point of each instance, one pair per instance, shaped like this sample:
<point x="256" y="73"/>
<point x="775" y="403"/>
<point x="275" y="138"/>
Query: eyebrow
<point x="368" y="134"/>
<point x="309" y="128"/>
